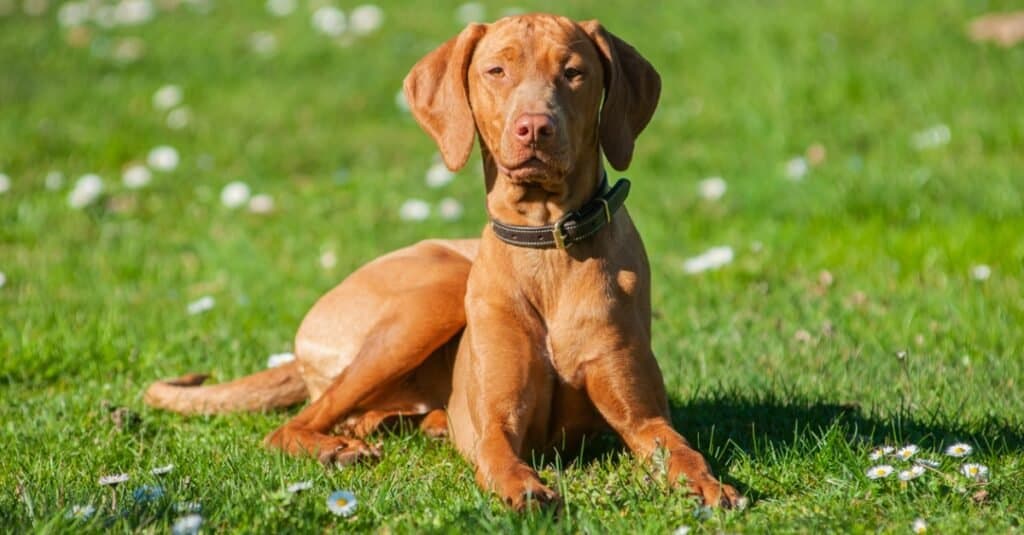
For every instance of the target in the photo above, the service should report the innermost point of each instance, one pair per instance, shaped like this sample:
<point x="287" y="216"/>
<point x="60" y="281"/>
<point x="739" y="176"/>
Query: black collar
<point x="571" y="228"/>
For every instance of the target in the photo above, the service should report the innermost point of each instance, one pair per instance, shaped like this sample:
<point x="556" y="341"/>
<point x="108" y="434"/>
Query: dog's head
<point x="532" y="87"/>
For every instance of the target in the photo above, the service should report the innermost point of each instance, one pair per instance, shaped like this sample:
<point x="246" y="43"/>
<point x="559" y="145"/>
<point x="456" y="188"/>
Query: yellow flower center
<point x="342" y="502"/>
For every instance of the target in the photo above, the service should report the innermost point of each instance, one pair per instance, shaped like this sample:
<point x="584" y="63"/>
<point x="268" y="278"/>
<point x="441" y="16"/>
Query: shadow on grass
<point x="759" y="425"/>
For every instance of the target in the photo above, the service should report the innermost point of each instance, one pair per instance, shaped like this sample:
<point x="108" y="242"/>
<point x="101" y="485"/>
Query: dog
<point x="527" y="340"/>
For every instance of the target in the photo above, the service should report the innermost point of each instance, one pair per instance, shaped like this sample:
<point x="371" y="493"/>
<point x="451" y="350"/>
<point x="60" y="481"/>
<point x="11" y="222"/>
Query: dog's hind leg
<point x="406" y="307"/>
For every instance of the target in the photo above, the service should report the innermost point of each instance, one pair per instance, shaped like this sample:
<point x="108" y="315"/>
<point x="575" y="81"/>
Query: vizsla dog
<point x="526" y="340"/>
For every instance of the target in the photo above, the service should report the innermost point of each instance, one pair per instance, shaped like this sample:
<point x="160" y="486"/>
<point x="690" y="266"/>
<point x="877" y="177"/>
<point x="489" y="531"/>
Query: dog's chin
<point x="534" y="170"/>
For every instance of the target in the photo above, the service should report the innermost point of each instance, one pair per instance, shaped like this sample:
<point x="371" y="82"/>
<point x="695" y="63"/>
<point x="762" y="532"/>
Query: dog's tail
<point x="269" y="389"/>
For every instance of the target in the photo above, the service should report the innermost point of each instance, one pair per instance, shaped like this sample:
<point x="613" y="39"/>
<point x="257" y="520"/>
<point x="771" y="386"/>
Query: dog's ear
<point x="436" y="90"/>
<point x="631" y="90"/>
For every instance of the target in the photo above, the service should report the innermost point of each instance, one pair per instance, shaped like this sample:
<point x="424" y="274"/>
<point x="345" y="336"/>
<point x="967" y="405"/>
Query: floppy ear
<point x="436" y="92"/>
<point x="631" y="89"/>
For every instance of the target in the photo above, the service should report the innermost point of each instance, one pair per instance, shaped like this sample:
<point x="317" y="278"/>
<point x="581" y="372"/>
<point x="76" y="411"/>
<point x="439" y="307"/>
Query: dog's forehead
<point x="524" y="36"/>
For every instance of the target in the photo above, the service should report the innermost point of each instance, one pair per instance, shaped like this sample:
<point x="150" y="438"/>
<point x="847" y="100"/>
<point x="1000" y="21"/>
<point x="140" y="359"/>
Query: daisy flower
<point x="167" y="97"/>
<point x="187" y="525"/>
<point x="163" y="158"/>
<point x="880" y="452"/>
<point x="200" y="305"/>
<point x="712" y="188"/>
<point x="329" y="20"/>
<point x="914" y="472"/>
<point x="682" y="530"/>
<point x="981" y="272"/>
<point x="342" y="503"/>
<point x="161" y="470"/>
<point x="414" y="210"/>
<point x="5" y="183"/>
<point x="87" y="189"/>
<point x="299" y="487"/>
<point x="136" y="176"/>
<point x="906" y="452"/>
<point x="148" y="493"/>
<point x="113" y="479"/>
<point x="880" y="471"/>
<point x="713" y="258"/>
<point x="919" y="526"/>
<point x="449" y="209"/>
<point x="974" y="471"/>
<point x="796" y="168"/>
<point x="366" y="19"/>
<point x="261" y="204"/>
<point x="959" y="450"/>
<point x="278" y="359"/>
<point x="81" y="512"/>
<point x="438" y="175"/>
<point x="930" y="463"/>
<point x="235" y="194"/>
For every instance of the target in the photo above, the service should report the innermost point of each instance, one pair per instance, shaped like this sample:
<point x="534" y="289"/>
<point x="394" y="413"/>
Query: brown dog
<point x="509" y="345"/>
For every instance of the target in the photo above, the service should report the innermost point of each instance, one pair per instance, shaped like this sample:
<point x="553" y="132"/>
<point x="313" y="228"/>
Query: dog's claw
<point x="350" y="451"/>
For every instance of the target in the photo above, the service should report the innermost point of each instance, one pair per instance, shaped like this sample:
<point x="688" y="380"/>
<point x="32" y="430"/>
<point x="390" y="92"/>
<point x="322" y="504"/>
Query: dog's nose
<point x="533" y="128"/>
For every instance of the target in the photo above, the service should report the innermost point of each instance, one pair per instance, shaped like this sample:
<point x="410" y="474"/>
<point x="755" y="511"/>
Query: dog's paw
<point x="521" y="489"/>
<point x="343" y="451"/>
<point x="714" y="493"/>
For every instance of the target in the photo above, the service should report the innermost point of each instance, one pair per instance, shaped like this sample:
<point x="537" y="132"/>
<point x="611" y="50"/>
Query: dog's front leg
<point x="508" y="384"/>
<point x="627" y="388"/>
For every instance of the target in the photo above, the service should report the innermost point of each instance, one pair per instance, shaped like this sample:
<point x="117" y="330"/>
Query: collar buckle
<point x="558" y="232"/>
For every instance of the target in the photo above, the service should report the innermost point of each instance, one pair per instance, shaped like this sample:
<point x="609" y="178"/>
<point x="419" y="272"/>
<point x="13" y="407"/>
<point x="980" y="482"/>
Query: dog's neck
<point x="541" y="202"/>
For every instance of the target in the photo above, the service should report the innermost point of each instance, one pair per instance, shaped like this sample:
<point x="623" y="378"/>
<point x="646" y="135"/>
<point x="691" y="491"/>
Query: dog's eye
<point x="496" y="72"/>
<point x="572" y="74"/>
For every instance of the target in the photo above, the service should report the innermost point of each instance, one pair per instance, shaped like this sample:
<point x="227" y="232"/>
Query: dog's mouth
<point x="533" y="167"/>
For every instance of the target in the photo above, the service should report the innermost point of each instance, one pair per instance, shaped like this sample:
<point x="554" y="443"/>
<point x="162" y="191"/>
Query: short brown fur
<point x="507" y="350"/>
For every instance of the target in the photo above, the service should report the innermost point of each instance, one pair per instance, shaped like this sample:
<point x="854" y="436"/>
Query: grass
<point x="785" y="382"/>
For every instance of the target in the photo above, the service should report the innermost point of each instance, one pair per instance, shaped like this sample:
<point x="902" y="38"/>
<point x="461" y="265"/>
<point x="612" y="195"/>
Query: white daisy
<point x="200" y="305"/>
<point x="128" y="50"/>
<point x="906" y="452"/>
<point x="414" y="210"/>
<point x="796" y="168"/>
<point x="87" y="189"/>
<point x="300" y="486"/>
<point x="278" y="359"/>
<point x="713" y="258"/>
<point x="342" y="503"/>
<point x="5" y="183"/>
<point x="981" y="272"/>
<point x="179" y="118"/>
<point x="263" y="43"/>
<point x="931" y="138"/>
<point x="913" y="472"/>
<point x="712" y="188"/>
<point x="959" y="450"/>
<point x="919" y="526"/>
<point x="80" y="512"/>
<point x="161" y="470"/>
<point x="438" y="175"/>
<point x="880" y="452"/>
<point x="113" y="479"/>
<point x="3" y="279"/>
<point x="235" y="194"/>
<point x="136" y="176"/>
<point x="470" y="12"/>
<point x="133" y="12"/>
<point x="974" y="471"/>
<point x="54" y="180"/>
<point x="167" y="97"/>
<point x="880" y="471"/>
<point x="366" y="19"/>
<point x="163" y="158"/>
<point x="73" y="14"/>
<point x="400" y="101"/>
<point x="280" y="8"/>
<point x="930" y="463"/>
<point x="187" y="525"/>
<point x="261" y="204"/>
<point x="328" y="259"/>
<point x="329" y="20"/>
<point x="449" y="209"/>
<point x="682" y="530"/>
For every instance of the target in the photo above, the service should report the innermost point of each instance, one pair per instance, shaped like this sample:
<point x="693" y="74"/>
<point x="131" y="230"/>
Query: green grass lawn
<point x="854" y="314"/>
